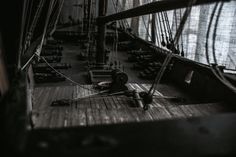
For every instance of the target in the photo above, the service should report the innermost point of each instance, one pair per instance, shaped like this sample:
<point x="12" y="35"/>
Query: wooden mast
<point x="88" y="18"/>
<point x="100" y="53"/>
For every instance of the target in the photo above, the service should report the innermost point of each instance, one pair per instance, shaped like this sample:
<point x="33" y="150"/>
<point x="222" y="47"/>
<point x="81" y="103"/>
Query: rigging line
<point x="54" y="14"/>
<point x="39" y="49"/>
<point x="158" y="28"/>
<point x="169" y="55"/>
<point x="165" y="29"/>
<point x="159" y="19"/>
<point x="58" y="15"/>
<point x="27" y="27"/>
<point x="144" y="23"/>
<point x="214" y="39"/>
<point x="208" y="32"/>
<point x="176" y="25"/>
<point x="159" y="74"/>
<point x="26" y="16"/>
<point x="35" y="19"/>
<point x="27" y="63"/>
<point x="45" y="27"/>
<point x="214" y="32"/>
<point x="115" y="6"/>
<point x="156" y="32"/>
<point x="123" y="21"/>
<point x="183" y="21"/>
<point x="21" y="34"/>
<point x="218" y="74"/>
<point x="168" y="25"/>
<point x="147" y="32"/>
<point x="181" y="37"/>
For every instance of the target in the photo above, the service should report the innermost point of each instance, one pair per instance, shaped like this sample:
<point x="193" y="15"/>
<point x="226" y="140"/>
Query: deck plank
<point x="96" y="110"/>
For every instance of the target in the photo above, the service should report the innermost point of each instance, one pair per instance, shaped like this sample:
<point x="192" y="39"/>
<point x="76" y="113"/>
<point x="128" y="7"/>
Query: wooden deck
<point x="107" y="110"/>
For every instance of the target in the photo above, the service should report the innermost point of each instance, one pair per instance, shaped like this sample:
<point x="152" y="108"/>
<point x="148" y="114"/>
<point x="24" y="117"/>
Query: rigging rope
<point x="57" y="18"/>
<point x="23" y="22"/>
<point x="162" y="35"/>
<point x="35" y="20"/>
<point x="168" y="26"/>
<point x="158" y="33"/>
<point x="181" y="37"/>
<point x="146" y="28"/>
<point x="214" y="32"/>
<point x="27" y="28"/>
<point x="39" y="49"/>
<point x="45" y="27"/>
<point x="165" y="29"/>
<point x="169" y="55"/>
<point x="215" y="70"/>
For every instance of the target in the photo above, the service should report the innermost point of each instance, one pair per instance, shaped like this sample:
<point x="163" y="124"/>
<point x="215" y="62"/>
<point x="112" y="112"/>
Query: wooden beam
<point x="153" y="7"/>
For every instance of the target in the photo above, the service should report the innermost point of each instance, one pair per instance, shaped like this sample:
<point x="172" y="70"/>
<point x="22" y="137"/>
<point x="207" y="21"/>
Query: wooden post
<point x="100" y="53"/>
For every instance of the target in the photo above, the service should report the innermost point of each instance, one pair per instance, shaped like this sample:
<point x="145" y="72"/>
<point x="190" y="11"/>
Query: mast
<point x="100" y="53"/>
<point x="88" y="16"/>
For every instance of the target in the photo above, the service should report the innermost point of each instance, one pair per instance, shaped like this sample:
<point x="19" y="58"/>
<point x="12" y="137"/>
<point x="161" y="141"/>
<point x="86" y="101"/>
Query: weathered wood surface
<point x="108" y="110"/>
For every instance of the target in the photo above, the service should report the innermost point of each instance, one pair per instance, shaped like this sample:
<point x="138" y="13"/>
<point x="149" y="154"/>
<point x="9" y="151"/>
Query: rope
<point x="164" y="25"/>
<point x="158" y="32"/>
<point x="214" y="32"/>
<point x="23" y="22"/>
<point x="219" y="75"/>
<point x="145" y="26"/>
<point x="169" y="55"/>
<point x="35" y="20"/>
<point x="181" y="37"/>
<point x="57" y="18"/>
<point x="27" y="28"/>
<point x="168" y="25"/>
<point x="39" y="49"/>
<point x="45" y="26"/>
<point x="208" y="32"/>
<point x="162" y="35"/>
<point x="183" y="21"/>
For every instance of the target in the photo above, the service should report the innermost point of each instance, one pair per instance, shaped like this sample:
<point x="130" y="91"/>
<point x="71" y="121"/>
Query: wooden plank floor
<point x="107" y="110"/>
